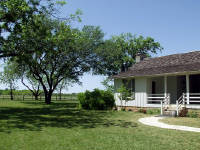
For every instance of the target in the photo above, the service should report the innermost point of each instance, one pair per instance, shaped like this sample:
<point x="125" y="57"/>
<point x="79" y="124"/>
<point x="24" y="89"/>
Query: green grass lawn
<point x="184" y="121"/>
<point x="61" y="126"/>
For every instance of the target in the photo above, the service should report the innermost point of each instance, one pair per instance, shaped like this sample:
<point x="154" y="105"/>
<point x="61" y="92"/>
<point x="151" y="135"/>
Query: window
<point x="130" y="85"/>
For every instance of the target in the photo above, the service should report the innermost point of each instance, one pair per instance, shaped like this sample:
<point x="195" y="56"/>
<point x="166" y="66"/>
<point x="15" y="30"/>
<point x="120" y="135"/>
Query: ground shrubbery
<point x="96" y="100"/>
<point x="149" y="111"/>
<point x="183" y="112"/>
<point x="192" y="114"/>
<point x="188" y="113"/>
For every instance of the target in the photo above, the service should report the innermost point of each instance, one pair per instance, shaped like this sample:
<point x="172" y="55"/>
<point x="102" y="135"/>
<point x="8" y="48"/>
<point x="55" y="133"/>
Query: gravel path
<point x="154" y="121"/>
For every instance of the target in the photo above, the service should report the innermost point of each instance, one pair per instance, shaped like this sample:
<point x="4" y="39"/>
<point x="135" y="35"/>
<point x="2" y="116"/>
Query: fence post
<point x="161" y="107"/>
<point x="177" y="108"/>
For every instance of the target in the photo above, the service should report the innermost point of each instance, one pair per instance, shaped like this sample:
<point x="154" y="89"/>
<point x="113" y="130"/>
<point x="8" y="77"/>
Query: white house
<point x="172" y="80"/>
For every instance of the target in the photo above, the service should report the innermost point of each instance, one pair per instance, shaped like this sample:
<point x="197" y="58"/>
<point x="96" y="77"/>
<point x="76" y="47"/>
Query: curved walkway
<point x="154" y="121"/>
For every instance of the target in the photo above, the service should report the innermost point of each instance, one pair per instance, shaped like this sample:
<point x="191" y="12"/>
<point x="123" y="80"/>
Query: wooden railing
<point x="194" y="98"/>
<point x="162" y="99"/>
<point x="156" y="98"/>
<point x="180" y="103"/>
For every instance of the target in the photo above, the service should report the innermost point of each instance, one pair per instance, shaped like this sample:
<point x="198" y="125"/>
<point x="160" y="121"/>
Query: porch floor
<point x="190" y="106"/>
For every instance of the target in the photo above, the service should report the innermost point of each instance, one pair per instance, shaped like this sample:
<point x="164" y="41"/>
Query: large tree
<point x="60" y="52"/>
<point x="120" y="51"/>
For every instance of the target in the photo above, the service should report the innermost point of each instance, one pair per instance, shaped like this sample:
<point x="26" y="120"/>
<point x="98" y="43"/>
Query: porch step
<point x="170" y="113"/>
<point x="170" y="109"/>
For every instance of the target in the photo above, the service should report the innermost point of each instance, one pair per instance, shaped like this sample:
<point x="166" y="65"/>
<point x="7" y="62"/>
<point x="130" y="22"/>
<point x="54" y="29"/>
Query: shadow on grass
<point x="54" y="105"/>
<point x="60" y="115"/>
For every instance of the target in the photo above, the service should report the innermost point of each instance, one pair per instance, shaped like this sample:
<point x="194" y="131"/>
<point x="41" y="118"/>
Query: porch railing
<point x="194" y="98"/>
<point x="162" y="99"/>
<point x="180" y="103"/>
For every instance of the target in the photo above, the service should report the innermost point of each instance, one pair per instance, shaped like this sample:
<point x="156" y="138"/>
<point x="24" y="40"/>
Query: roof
<point x="184" y="62"/>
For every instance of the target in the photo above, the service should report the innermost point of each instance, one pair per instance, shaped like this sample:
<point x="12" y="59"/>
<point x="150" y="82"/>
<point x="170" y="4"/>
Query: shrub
<point x="123" y="109"/>
<point x="183" y="112"/>
<point x="96" y="100"/>
<point x="142" y="111"/>
<point x="193" y="114"/>
<point x="153" y="111"/>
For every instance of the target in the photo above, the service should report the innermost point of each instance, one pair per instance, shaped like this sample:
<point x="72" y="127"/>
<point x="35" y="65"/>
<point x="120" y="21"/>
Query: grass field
<point x="184" y="121"/>
<point x="61" y="126"/>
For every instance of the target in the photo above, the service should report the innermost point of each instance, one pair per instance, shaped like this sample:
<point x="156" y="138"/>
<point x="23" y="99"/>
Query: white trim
<point x="165" y="86"/>
<point x="160" y="75"/>
<point x="188" y="88"/>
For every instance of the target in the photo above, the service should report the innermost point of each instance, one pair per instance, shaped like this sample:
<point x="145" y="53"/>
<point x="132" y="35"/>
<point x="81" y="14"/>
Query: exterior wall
<point x="172" y="88"/>
<point x="176" y="85"/>
<point x="140" y="93"/>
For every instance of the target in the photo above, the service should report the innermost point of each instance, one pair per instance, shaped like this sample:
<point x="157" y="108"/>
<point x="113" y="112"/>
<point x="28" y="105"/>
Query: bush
<point x="183" y="112"/>
<point x="153" y="111"/>
<point x="96" y="100"/>
<point x="142" y="110"/>
<point x="193" y="114"/>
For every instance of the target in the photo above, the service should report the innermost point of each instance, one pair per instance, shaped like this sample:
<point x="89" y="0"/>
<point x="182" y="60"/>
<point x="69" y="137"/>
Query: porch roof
<point x="170" y="64"/>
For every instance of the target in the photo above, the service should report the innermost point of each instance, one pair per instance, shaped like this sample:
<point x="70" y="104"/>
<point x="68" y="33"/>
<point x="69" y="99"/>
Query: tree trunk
<point x="36" y="96"/>
<point x="11" y="91"/>
<point x="11" y="94"/>
<point x="48" y="97"/>
<point x="60" y="94"/>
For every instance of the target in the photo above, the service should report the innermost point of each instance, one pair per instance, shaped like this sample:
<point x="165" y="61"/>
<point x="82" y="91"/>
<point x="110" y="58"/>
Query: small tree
<point x="124" y="94"/>
<point x="108" y="84"/>
<point x="9" y="77"/>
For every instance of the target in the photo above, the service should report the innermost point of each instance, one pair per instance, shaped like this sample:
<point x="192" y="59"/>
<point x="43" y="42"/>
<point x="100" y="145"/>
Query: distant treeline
<point x="27" y="92"/>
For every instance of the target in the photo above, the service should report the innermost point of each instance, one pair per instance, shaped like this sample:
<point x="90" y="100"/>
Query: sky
<point x="173" y="23"/>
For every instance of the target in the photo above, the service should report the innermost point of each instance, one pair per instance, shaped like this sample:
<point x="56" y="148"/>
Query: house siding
<point x="140" y="93"/>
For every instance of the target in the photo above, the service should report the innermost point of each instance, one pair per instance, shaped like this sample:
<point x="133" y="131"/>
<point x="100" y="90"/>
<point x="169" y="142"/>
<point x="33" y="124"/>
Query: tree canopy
<point x="60" y="51"/>
<point x="18" y="14"/>
<point x="121" y="50"/>
<point x="50" y="50"/>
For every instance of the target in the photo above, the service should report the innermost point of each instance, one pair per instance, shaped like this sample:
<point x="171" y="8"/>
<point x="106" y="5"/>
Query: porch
<point x="172" y="88"/>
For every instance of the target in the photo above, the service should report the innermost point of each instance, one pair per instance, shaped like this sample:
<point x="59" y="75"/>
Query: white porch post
<point x="165" y="90"/>
<point x="165" y="86"/>
<point x="188" y="88"/>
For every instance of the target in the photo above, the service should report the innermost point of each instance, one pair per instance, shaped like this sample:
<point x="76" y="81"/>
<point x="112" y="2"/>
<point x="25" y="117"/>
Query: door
<point x="153" y="87"/>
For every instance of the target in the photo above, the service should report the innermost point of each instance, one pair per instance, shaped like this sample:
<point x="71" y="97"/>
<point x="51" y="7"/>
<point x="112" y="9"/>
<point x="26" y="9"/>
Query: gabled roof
<point x="175" y="63"/>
